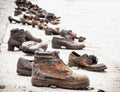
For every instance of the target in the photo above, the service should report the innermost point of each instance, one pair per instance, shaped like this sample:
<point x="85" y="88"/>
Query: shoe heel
<point x="10" y="20"/>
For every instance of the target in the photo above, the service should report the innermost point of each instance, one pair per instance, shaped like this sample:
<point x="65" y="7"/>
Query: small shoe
<point x="88" y="62"/>
<point x="11" y="19"/>
<point x="24" y="67"/>
<point x="66" y="42"/>
<point x="30" y="47"/>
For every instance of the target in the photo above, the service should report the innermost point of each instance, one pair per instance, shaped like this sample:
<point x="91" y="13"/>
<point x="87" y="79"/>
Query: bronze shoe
<point x="11" y="19"/>
<point x="17" y="37"/>
<point x="66" y="42"/>
<point x="30" y="47"/>
<point x="49" y="71"/>
<point x="24" y="67"/>
<point x="88" y="62"/>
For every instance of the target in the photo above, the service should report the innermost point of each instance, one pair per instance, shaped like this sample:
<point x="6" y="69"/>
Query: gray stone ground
<point x="6" y="8"/>
<point x="12" y="82"/>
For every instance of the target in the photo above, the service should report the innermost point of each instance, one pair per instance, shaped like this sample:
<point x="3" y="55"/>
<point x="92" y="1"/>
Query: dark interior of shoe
<point x="76" y="54"/>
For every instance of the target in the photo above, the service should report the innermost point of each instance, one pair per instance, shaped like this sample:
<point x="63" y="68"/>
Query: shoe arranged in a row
<point x="48" y="69"/>
<point x="24" y="41"/>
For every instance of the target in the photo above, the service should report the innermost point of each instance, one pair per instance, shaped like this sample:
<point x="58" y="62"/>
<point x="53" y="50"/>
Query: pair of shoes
<point x="18" y="36"/>
<point x="48" y="69"/>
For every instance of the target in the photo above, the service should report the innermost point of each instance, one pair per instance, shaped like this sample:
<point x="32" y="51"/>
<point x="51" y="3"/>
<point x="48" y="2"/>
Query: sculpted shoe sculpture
<point x="51" y="31"/>
<point x="29" y="37"/>
<point x="24" y="66"/>
<point x="49" y="71"/>
<point x="67" y="42"/>
<point x="30" y="47"/>
<point x="88" y="62"/>
<point x="12" y="19"/>
<point x="17" y="37"/>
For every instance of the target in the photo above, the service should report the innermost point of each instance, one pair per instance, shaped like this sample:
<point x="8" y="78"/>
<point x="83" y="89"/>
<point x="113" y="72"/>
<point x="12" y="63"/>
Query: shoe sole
<point x="46" y="82"/>
<point x="24" y="72"/>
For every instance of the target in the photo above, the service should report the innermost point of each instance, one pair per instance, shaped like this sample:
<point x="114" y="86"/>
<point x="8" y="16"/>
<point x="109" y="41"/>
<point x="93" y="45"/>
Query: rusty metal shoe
<point x="88" y="62"/>
<point x="17" y="37"/>
<point x="11" y="19"/>
<point x="30" y="47"/>
<point x="66" y="42"/>
<point x="24" y="67"/>
<point x="29" y="37"/>
<point x="51" y="31"/>
<point x="48" y="71"/>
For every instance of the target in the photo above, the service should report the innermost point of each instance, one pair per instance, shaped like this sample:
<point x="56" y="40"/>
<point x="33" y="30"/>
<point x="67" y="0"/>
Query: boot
<point x="16" y="39"/>
<point x="29" y="37"/>
<point x="30" y="47"/>
<point x="88" y="62"/>
<point x="24" y="66"/>
<point x="51" y="31"/>
<point x="49" y="71"/>
<point x="12" y="19"/>
<point x="68" y="43"/>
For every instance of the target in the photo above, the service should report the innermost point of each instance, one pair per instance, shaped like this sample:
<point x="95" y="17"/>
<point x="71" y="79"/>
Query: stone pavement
<point x="6" y="9"/>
